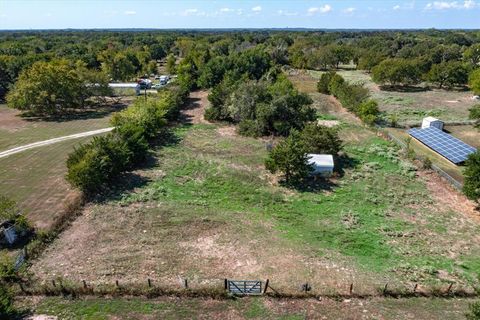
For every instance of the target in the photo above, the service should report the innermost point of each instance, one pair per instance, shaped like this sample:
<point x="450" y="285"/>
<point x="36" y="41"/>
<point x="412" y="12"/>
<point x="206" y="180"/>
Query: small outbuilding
<point x="432" y="122"/>
<point x="322" y="164"/>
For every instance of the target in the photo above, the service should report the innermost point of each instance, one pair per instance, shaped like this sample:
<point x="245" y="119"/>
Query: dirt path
<point x="445" y="194"/>
<point x="342" y="112"/>
<point x="195" y="109"/>
<point x="9" y="152"/>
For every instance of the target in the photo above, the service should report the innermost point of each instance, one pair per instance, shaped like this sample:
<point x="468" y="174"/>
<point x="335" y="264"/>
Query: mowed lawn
<point x="249" y="308"/>
<point x="208" y="210"/>
<point x="409" y="106"/>
<point x="16" y="130"/>
<point x="35" y="178"/>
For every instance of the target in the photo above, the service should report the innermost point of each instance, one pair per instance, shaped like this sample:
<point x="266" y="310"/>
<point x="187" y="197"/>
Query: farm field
<point x="251" y="308"/>
<point x="35" y="178"/>
<point x="411" y="107"/>
<point x="208" y="210"/>
<point x="16" y="130"/>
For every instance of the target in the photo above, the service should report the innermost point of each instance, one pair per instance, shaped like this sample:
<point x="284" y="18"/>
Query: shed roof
<point x="323" y="160"/>
<point x="431" y="119"/>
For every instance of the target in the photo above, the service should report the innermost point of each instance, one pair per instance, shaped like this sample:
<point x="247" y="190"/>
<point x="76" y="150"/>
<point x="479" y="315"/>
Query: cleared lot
<point x="208" y="210"/>
<point x="411" y="106"/>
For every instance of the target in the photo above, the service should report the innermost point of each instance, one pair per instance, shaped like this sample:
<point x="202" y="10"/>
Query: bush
<point x="368" y="111"/>
<point x="323" y="83"/>
<point x="471" y="186"/>
<point x="6" y="302"/>
<point x="93" y="164"/>
<point x="475" y="114"/>
<point x="290" y="158"/>
<point x="474" y="311"/>
<point x="320" y="139"/>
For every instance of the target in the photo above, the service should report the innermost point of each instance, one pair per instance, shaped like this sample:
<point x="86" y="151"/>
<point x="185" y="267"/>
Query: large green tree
<point x="474" y="81"/>
<point x="48" y="88"/>
<point x="396" y="72"/>
<point x="449" y="74"/>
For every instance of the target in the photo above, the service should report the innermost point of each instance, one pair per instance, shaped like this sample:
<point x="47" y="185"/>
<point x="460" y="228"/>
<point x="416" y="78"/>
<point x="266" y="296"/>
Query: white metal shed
<point x="322" y="164"/>
<point x="432" y="122"/>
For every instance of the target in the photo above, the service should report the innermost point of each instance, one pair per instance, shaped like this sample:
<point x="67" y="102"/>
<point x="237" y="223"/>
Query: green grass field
<point x="208" y="210"/>
<point x="35" y="178"/>
<point x="411" y="107"/>
<point x="251" y="308"/>
<point x="17" y="131"/>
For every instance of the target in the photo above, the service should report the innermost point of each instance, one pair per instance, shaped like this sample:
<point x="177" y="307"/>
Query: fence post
<point x="449" y="288"/>
<point x="186" y="283"/>
<point x="266" y="286"/>
<point x="149" y="283"/>
<point x="351" y="288"/>
<point x="116" y="283"/>
<point x="226" y="284"/>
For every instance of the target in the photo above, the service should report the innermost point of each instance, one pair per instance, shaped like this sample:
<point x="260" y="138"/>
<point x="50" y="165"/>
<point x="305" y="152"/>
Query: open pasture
<point x="208" y="210"/>
<point x="411" y="105"/>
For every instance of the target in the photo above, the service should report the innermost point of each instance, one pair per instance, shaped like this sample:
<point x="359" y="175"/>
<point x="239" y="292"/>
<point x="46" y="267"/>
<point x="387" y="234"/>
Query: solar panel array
<point x="448" y="146"/>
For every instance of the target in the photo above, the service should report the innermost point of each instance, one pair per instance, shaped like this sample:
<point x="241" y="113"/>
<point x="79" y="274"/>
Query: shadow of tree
<point x="399" y="88"/>
<point x="84" y="114"/>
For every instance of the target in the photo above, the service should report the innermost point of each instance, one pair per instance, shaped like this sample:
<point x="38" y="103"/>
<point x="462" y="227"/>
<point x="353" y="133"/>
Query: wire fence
<point x="220" y="288"/>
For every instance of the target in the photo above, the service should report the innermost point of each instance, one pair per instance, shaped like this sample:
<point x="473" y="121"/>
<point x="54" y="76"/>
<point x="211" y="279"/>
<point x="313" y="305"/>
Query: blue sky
<point x="239" y="14"/>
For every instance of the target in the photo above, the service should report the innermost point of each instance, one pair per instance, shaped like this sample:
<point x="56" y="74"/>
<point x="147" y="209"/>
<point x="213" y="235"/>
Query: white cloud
<point x="257" y="9"/>
<point x="397" y="7"/>
<point x="444" y="5"/>
<point x="314" y="10"/>
<point x="350" y="10"/>
<point x="286" y="13"/>
<point x="130" y="13"/>
<point x="469" y="4"/>
<point x="189" y="12"/>
<point x="226" y="10"/>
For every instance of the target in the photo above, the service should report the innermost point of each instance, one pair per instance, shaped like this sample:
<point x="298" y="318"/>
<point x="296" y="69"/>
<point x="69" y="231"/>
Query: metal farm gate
<point x="244" y="287"/>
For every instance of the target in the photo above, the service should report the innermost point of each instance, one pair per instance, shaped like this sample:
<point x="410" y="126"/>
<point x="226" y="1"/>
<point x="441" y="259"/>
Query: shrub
<point x="471" y="187"/>
<point x="475" y="114"/>
<point x="290" y="158"/>
<point x="473" y="311"/>
<point x="320" y="139"/>
<point x="323" y="83"/>
<point x="6" y="302"/>
<point x="368" y="111"/>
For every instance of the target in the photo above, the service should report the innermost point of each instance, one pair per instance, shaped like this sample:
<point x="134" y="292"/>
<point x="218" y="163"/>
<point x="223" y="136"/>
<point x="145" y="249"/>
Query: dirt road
<point x="9" y="152"/>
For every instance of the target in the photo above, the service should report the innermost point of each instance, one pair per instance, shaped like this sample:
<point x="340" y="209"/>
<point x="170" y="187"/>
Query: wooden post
<point x="53" y="283"/>
<point x="449" y="288"/>
<point x="226" y="284"/>
<point x="149" y="283"/>
<point x="385" y="288"/>
<point x="266" y="287"/>
<point x="415" y="288"/>
<point x="186" y="283"/>
<point x="25" y="255"/>
<point x="84" y="284"/>
<point x="116" y="283"/>
<point x="351" y="288"/>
